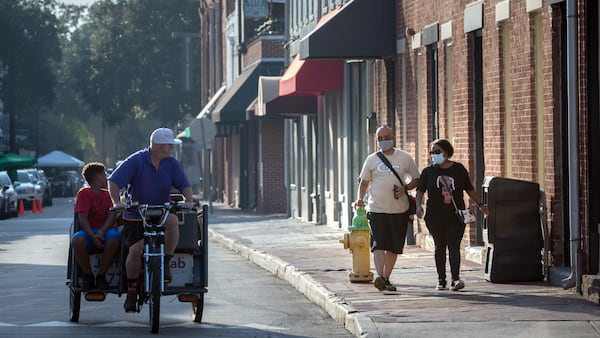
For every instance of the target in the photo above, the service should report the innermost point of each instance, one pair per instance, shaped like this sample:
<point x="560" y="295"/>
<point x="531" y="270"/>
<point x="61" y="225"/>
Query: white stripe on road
<point x="46" y="219"/>
<point x="123" y="324"/>
<point x="51" y="324"/>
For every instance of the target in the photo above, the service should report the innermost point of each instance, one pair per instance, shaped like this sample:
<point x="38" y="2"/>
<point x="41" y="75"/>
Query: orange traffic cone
<point x="34" y="208"/>
<point x="21" y="208"/>
<point x="40" y="207"/>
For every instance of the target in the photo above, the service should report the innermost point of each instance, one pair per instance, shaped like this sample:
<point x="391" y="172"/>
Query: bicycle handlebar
<point x="170" y="206"/>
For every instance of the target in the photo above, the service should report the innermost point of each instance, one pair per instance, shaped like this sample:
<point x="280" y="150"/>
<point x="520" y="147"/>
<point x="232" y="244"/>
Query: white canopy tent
<point x="58" y="158"/>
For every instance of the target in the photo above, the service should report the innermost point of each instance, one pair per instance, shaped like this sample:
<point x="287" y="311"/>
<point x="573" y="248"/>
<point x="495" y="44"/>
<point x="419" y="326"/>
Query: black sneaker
<point x="101" y="282"/>
<point x="87" y="282"/>
<point x="380" y="283"/>
<point x="168" y="276"/>
<point x="441" y="285"/>
<point x="130" y="303"/>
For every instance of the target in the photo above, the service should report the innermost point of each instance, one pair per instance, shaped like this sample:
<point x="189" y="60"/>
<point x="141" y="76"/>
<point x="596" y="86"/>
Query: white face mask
<point x="386" y="145"/>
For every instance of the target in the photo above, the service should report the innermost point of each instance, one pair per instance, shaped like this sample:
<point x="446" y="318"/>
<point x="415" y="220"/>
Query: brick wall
<point x="269" y="46"/>
<point x="416" y="14"/>
<point x="227" y="153"/>
<point x="272" y="195"/>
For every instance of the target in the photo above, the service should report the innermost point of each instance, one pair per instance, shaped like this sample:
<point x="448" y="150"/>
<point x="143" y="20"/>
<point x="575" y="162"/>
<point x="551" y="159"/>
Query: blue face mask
<point x="386" y="145"/>
<point x="438" y="158"/>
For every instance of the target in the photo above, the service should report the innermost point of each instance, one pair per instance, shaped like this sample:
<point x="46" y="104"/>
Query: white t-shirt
<point x="381" y="190"/>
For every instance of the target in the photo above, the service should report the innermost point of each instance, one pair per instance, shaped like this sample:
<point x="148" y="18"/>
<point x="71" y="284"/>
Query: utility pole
<point x="187" y="70"/>
<point x="9" y="105"/>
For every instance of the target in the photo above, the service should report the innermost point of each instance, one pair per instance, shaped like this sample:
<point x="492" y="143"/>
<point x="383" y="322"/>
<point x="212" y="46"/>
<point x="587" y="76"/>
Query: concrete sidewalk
<point x="310" y="258"/>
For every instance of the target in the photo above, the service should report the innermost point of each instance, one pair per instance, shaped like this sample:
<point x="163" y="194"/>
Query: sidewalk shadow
<point x="567" y="302"/>
<point x="223" y="215"/>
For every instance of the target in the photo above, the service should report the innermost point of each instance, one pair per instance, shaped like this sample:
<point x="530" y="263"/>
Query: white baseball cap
<point x="163" y="136"/>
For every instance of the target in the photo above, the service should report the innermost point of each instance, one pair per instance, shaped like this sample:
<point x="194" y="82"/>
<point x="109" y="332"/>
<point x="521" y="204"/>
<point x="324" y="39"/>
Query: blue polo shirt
<point x="146" y="184"/>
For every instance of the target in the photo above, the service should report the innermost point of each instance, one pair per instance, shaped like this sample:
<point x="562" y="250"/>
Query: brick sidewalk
<point x="311" y="258"/>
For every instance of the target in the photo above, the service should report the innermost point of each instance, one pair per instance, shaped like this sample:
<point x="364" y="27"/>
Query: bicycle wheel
<point x="74" y="304"/>
<point x="197" y="309"/>
<point x="73" y="277"/>
<point x="155" y="281"/>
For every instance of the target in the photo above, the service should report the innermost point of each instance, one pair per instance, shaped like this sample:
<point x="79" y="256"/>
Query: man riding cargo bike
<point x="150" y="231"/>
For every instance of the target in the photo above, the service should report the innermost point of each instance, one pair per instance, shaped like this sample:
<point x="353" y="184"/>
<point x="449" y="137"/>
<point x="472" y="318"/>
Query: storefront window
<point x="263" y="17"/>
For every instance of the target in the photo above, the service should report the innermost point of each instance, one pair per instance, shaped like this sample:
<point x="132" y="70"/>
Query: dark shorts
<point x="388" y="231"/>
<point x="133" y="231"/>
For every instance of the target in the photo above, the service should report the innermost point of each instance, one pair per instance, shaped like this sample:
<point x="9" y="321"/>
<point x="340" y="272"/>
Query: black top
<point x="436" y="181"/>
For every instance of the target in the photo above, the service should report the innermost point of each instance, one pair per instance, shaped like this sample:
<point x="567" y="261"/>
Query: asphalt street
<point x="244" y="300"/>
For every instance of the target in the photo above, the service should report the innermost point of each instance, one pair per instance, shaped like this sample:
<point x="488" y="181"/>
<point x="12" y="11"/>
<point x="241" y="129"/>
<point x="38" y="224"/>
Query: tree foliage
<point x="65" y="121"/>
<point x="132" y="66"/>
<point x="61" y="64"/>
<point x="30" y="48"/>
<point x="35" y="84"/>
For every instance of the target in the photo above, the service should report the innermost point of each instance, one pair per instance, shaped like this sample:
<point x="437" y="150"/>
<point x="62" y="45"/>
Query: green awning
<point x="9" y="161"/>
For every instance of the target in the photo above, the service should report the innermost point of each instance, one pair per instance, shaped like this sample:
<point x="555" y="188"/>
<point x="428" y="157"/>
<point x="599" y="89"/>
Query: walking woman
<point x="445" y="181"/>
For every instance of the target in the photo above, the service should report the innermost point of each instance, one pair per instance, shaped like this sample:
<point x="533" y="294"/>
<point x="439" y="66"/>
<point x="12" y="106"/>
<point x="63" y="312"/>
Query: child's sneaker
<point x="457" y="285"/>
<point x="87" y="282"/>
<point x="101" y="282"/>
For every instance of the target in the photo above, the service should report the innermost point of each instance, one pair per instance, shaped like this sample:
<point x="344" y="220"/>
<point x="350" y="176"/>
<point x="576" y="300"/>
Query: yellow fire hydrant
<point x="358" y="241"/>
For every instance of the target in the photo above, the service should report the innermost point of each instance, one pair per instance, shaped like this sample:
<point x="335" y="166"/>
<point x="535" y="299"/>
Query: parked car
<point x="27" y="188"/>
<point x="66" y="183"/>
<point x="9" y="206"/>
<point x="41" y="179"/>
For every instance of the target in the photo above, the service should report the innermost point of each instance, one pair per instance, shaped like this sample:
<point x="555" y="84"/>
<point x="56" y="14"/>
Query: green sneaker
<point x="388" y="285"/>
<point x="380" y="283"/>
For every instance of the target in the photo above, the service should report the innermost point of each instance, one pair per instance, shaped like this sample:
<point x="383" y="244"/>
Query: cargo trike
<point x="188" y="265"/>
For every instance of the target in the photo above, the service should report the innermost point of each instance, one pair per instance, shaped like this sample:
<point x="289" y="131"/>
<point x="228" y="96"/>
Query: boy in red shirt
<point x="96" y="224"/>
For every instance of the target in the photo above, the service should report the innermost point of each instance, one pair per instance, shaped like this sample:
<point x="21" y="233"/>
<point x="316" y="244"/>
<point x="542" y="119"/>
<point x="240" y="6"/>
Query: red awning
<point x="269" y="102"/>
<point x="312" y="77"/>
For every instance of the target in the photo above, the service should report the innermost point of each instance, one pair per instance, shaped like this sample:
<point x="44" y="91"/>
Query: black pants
<point x="447" y="236"/>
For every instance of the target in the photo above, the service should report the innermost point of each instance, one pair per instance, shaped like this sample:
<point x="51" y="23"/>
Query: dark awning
<point x="312" y="77"/>
<point x="231" y="107"/>
<point x="269" y="102"/>
<point x="362" y="29"/>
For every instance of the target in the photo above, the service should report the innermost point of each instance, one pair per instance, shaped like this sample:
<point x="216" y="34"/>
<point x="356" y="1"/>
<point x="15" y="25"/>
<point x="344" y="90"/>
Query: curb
<point x="359" y="325"/>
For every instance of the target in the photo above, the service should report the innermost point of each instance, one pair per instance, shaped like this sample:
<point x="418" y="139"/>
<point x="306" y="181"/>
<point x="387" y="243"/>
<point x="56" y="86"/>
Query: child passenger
<point x="96" y="226"/>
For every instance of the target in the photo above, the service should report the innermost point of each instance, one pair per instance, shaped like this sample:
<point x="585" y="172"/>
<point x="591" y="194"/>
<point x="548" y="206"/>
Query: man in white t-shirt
<point x="387" y="204"/>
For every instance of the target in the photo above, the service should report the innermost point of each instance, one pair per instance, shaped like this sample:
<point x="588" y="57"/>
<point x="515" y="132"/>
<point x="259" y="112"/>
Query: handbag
<point x="464" y="215"/>
<point x="412" y="204"/>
